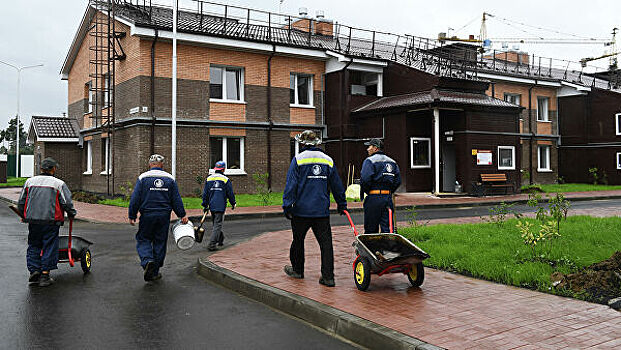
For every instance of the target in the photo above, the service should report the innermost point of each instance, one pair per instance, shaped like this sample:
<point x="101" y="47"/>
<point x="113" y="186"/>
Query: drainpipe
<point x="153" y="92"/>
<point x="269" y="118"/>
<point x="532" y="134"/>
<point x="436" y="149"/>
<point x="344" y="94"/>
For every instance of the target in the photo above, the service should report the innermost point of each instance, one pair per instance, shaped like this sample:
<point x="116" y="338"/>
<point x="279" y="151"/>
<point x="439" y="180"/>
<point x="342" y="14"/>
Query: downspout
<point x="344" y="94"/>
<point x="269" y="118"/>
<point x="153" y="93"/>
<point x="532" y="134"/>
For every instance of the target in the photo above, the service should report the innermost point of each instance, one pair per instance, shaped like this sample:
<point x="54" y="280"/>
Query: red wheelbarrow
<point x="382" y="253"/>
<point x="71" y="249"/>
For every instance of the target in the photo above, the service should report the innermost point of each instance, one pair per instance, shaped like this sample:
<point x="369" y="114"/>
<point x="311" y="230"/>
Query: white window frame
<point x="89" y="85"/>
<point x="618" y="160"/>
<point x="548" y="167"/>
<point x="106" y="103"/>
<point x="380" y="82"/>
<point x="517" y="96"/>
<point x="107" y="167"/>
<point x="512" y="167"/>
<point x="546" y="116"/>
<point x="295" y="91"/>
<point x="89" y="158"/>
<point x="412" y="139"/>
<point x="617" y="120"/>
<point x="228" y="171"/>
<point x="241" y="84"/>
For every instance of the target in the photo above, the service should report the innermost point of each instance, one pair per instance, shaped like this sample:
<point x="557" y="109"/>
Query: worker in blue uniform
<point x="218" y="188"/>
<point x="306" y="202"/>
<point x="379" y="179"/>
<point x="155" y="195"/>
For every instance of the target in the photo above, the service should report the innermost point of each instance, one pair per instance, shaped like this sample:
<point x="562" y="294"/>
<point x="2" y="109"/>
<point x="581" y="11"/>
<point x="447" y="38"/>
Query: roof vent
<point x="303" y="11"/>
<point x="320" y="15"/>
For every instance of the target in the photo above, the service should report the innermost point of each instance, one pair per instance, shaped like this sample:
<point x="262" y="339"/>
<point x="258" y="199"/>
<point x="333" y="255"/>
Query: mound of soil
<point x="86" y="197"/>
<point x="599" y="282"/>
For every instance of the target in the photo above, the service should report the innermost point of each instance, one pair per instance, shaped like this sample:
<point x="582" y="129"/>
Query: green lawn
<point x="497" y="253"/>
<point x="554" y="188"/>
<point x="243" y="200"/>
<point x="14" y="182"/>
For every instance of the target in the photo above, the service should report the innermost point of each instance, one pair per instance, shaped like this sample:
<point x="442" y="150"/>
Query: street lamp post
<point x="19" y="71"/>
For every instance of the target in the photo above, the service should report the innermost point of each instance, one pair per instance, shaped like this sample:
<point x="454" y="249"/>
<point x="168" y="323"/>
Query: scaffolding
<point x="104" y="50"/>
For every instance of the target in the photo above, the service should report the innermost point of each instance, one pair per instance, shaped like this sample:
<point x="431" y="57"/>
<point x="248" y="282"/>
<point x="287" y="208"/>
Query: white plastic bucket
<point x="184" y="235"/>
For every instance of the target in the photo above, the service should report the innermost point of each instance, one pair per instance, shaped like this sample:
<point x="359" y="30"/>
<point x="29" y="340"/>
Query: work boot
<point x="149" y="271"/>
<point x="328" y="282"/>
<point x="291" y="272"/>
<point x="157" y="277"/>
<point x="34" y="278"/>
<point x="45" y="280"/>
<point x="212" y="247"/>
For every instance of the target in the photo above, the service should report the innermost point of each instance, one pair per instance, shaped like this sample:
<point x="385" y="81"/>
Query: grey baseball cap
<point x="375" y="142"/>
<point x="49" y="163"/>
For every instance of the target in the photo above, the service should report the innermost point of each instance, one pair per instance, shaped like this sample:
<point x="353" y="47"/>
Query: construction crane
<point x="613" y="53"/>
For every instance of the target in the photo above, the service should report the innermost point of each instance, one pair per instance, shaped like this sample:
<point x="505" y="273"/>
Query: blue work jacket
<point x="218" y="188"/>
<point x="311" y="177"/>
<point x="155" y="193"/>
<point x="379" y="172"/>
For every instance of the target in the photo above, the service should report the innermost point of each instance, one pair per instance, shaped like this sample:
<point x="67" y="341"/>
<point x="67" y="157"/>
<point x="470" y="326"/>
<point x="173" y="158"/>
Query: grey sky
<point x="40" y="31"/>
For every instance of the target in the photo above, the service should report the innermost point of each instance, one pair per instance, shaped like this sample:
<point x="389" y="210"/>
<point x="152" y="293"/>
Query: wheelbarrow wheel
<point x="362" y="273"/>
<point x="86" y="260"/>
<point x="416" y="275"/>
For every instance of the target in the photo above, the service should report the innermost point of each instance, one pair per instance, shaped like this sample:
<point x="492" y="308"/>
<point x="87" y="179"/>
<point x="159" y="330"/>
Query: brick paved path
<point x="449" y="310"/>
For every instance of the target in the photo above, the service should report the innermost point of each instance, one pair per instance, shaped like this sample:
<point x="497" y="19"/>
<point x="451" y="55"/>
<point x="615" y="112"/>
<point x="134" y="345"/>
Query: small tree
<point x="594" y="175"/>
<point x="550" y="220"/>
<point x="261" y="188"/>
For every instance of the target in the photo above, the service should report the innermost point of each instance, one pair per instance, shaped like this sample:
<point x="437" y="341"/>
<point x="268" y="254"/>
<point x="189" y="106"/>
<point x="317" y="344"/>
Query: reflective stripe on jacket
<point x="379" y="172"/>
<point x="155" y="193"/>
<point x="45" y="199"/>
<point x="310" y="179"/>
<point x="218" y="188"/>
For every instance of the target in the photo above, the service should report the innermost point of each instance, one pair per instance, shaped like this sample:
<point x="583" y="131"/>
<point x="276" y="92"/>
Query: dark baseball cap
<point x="375" y="142"/>
<point x="49" y="163"/>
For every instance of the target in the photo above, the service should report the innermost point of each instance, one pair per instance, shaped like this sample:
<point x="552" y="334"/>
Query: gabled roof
<point x="435" y="97"/>
<point x="53" y="129"/>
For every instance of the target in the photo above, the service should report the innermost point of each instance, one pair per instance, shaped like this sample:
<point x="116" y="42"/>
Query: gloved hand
<point x="205" y="210"/>
<point x="341" y="209"/>
<point x="287" y="211"/>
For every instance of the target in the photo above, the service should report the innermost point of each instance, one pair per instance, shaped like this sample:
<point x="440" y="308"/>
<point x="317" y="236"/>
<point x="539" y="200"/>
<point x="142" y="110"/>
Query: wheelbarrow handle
<point x="390" y="220"/>
<point x="203" y="219"/>
<point x="351" y="223"/>
<point x="71" y="261"/>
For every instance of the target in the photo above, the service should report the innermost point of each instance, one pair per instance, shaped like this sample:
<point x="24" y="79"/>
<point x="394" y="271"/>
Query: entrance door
<point x="448" y="168"/>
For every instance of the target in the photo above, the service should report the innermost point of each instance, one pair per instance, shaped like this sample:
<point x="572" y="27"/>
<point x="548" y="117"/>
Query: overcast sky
<point x="40" y="31"/>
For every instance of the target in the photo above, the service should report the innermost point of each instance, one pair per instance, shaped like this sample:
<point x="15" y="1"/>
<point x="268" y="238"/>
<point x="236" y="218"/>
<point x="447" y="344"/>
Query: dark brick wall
<point x="68" y="156"/>
<point x="256" y="108"/>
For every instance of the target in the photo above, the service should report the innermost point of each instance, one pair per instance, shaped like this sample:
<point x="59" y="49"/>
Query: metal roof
<point x="435" y="96"/>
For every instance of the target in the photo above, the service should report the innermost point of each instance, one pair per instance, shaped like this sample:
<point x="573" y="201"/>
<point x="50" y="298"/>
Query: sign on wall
<point x="484" y="157"/>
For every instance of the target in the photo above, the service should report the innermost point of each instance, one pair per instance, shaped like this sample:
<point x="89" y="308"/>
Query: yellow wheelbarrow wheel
<point x="416" y="275"/>
<point x="362" y="273"/>
<point x="86" y="260"/>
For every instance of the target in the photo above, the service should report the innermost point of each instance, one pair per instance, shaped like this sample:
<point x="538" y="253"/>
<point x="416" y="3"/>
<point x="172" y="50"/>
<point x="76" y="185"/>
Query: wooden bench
<point x="492" y="181"/>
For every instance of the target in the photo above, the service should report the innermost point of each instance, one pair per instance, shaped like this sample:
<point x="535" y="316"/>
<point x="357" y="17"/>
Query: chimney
<point x="319" y="25"/>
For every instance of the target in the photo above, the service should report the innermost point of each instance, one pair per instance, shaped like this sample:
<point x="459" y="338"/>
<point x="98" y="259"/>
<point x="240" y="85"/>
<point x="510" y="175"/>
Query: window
<point x="88" y="149"/>
<point x="105" y="153"/>
<point x="230" y="150"/>
<point x="506" y="158"/>
<point x="226" y="83"/>
<point x="512" y="98"/>
<point x="420" y="152"/>
<point x="618" y="123"/>
<point x="365" y="83"/>
<point x="544" y="158"/>
<point x="618" y="160"/>
<point x="106" y="93"/>
<point x="294" y="147"/>
<point x="88" y="94"/>
<point x="542" y="109"/>
<point x="301" y="89"/>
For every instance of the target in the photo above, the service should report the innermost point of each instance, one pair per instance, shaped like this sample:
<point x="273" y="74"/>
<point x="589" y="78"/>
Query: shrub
<point x="594" y="175"/>
<point x="261" y="188"/>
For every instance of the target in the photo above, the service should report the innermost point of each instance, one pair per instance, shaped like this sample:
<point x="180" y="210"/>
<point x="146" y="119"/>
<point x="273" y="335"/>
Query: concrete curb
<point x="353" y="328"/>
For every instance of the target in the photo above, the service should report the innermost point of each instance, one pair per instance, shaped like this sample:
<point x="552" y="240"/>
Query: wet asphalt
<point x="114" y="308"/>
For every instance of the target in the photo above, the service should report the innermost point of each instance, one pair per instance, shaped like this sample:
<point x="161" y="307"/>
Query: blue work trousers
<point x="376" y="213"/>
<point x="42" y="253"/>
<point x="151" y="239"/>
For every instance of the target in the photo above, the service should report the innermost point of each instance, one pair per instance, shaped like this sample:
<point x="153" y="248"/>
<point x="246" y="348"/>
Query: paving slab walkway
<point x="111" y="214"/>
<point x="449" y="310"/>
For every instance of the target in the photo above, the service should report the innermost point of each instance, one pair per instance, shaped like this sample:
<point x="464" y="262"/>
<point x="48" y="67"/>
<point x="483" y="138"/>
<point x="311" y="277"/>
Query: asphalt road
<point x="114" y="308"/>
